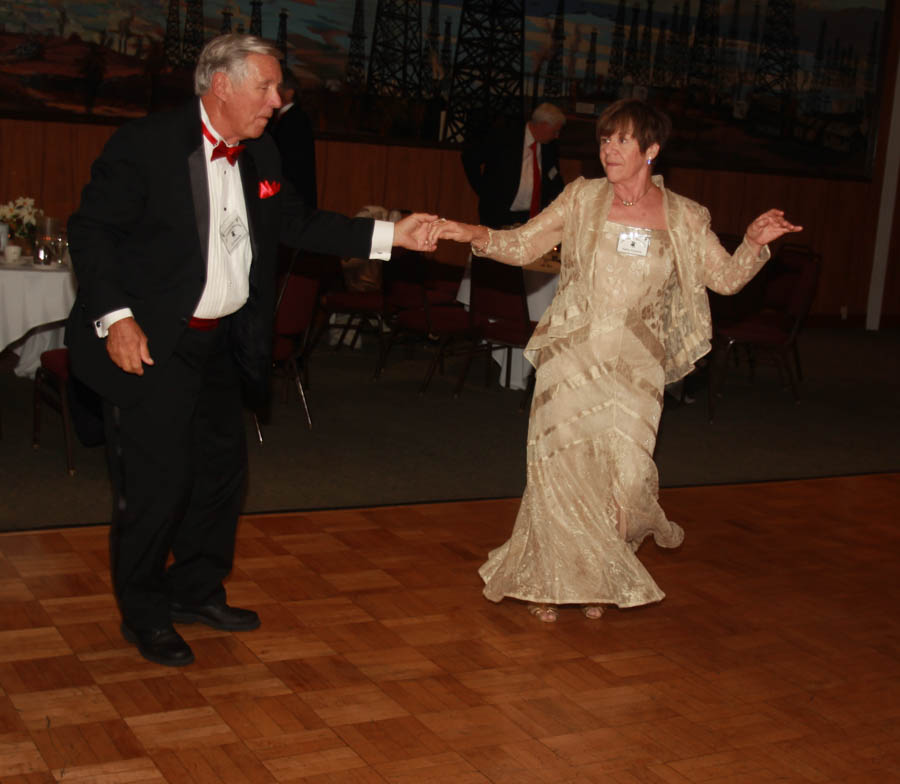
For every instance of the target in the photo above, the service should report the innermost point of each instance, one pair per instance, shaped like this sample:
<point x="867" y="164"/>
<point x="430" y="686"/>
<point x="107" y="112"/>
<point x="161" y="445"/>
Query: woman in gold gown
<point x="630" y="315"/>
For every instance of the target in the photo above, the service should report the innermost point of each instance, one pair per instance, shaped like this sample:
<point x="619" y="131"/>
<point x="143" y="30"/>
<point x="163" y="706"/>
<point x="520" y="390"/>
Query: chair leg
<point x="292" y="366"/>
<point x="36" y="415"/>
<point x="465" y="369"/>
<point x="529" y="391"/>
<point x="508" y="366"/>
<point x="714" y="379"/>
<point x="437" y="361"/>
<point x="67" y="427"/>
<point x="784" y="362"/>
<point x="383" y="355"/>
<point x="795" y="351"/>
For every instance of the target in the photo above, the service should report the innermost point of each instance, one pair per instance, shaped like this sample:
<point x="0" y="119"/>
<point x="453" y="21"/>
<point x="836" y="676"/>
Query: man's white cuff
<point x="102" y="324"/>
<point x="382" y="240"/>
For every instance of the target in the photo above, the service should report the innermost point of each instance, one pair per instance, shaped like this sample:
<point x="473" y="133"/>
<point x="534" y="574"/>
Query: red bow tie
<point x="221" y="149"/>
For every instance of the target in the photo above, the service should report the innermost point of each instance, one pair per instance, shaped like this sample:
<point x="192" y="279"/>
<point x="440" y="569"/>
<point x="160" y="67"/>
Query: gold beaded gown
<point x="603" y="353"/>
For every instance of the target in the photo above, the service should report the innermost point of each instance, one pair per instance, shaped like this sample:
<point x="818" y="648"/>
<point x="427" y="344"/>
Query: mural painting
<point x="763" y="85"/>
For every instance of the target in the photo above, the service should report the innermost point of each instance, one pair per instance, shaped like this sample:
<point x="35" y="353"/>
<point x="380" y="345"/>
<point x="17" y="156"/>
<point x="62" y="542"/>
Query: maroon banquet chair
<point x="419" y="312"/>
<point x="788" y="287"/>
<point x="295" y="314"/>
<point x="498" y="304"/>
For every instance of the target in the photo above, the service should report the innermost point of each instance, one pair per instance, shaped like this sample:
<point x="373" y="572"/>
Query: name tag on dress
<point x="632" y="243"/>
<point x="232" y="232"/>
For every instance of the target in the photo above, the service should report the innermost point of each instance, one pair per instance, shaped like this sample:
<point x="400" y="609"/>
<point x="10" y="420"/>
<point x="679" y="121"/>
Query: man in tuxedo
<point x="174" y="246"/>
<point x="293" y="133"/>
<point x="504" y="167"/>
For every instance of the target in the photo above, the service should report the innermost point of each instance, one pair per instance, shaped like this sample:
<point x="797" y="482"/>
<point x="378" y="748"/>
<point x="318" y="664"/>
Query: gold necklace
<point x="632" y="203"/>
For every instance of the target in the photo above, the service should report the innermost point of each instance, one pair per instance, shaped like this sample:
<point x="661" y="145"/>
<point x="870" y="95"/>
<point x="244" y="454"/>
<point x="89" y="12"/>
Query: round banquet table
<point x="34" y="301"/>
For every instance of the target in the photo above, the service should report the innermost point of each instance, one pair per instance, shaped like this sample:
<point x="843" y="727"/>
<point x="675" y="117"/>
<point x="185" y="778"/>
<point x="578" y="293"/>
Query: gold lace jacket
<point x="575" y="219"/>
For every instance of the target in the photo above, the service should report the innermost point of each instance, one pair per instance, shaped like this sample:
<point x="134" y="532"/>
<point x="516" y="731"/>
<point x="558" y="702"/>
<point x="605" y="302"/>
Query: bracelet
<point x="482" y="248"/>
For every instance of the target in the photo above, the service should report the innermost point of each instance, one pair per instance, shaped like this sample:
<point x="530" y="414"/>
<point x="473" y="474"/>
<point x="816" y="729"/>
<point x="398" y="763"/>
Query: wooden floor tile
<point x="774" y="658"/>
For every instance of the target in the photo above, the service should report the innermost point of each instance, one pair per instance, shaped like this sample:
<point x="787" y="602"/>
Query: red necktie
<point x="222" y="150"/>
<point x="535" y="182"/>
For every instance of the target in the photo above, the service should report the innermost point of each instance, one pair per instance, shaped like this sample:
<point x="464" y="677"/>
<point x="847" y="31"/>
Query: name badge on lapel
<point x="633" y="243"/>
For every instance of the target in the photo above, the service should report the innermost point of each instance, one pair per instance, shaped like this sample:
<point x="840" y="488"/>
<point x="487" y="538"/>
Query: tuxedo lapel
<point x="250" y="184"/>
<point x="200" y="193"/>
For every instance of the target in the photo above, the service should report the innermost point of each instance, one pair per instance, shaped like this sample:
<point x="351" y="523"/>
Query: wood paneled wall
<point x="51" y="161"/>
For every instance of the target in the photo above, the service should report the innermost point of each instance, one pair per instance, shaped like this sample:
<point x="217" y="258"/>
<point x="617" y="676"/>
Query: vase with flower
<point x="21" y="216"/>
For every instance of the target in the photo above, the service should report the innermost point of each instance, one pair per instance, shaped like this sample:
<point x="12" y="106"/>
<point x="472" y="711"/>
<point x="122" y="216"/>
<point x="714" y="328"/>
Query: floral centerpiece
<point x="21" y="216"/>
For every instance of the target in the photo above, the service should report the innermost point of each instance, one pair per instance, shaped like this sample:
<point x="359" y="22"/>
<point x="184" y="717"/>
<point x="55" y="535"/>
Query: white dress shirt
<point x="522" y="202"/>
<point x="229" y="256"/>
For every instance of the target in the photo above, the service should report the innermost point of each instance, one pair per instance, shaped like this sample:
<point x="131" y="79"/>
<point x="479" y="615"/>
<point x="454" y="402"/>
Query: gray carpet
<point x="376" y="443"/>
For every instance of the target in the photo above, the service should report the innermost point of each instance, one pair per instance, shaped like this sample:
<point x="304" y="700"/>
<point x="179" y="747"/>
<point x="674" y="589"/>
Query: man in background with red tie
<point x="174" y="245"/>
<point x="516" y="172"/>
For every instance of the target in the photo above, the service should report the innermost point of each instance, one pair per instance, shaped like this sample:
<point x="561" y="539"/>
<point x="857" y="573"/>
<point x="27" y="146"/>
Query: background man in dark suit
<point x="501" y="169"/>
<point x="293" y="133"/>
<point x="174" y="246"/>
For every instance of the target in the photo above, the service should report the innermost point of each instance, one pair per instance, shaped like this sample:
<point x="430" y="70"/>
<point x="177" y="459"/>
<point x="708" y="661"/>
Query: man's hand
<point x="127" y="346"/>
<point x="412" y="232"/>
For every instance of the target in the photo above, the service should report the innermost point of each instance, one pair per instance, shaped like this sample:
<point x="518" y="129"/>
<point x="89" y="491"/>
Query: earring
<point x="649" y="161"/>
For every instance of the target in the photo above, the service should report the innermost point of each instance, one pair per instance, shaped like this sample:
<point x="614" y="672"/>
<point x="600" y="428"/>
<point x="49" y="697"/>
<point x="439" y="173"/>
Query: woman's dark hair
<point x="647" y="125"/>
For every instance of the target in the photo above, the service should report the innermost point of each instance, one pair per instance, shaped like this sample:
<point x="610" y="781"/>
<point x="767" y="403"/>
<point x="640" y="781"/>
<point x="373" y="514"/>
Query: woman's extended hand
<point x="444" y="229"/>
<point x="768" y="227"/>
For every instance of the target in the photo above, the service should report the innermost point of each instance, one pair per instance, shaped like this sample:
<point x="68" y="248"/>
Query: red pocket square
<point x="267" y="189"/>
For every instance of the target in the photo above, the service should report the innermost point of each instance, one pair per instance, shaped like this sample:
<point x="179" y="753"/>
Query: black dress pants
<point x="178" y="465"/>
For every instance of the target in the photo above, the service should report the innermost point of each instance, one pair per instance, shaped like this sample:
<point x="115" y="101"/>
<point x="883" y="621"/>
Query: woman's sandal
<point x="546" y="613"/>
<point x="592" y="611"/>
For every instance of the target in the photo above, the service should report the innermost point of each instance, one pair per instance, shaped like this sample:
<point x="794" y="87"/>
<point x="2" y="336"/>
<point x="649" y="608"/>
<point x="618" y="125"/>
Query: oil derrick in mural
<point x="172" y="40"/>
<point x="660" y="61"/>
<point x="682" y="57"/>
<point x="731" y="74"/>
<point x="615" y="74"/>
<point x="226" y="20"/>
<point x="555" y="79"/>
<point x="631" y="53"/>
<point x="447" y="55"/>
<point x="193" y="33"/>
<point x="356" y="58"/>
<point x="816" y="100"/>
<point x="281" y="39"/>
<point x="488" y="69"/>
<point x="703" y="74"/>
<point x="431" y="65"/>
<point x="589" y="83"/>
<point x="871" y="62"/>
<point x="774" y="86"/>
<point x="644" y="63"/>
<point x="395" y="62"/>
<point x="752" y="59"/>
<point x="256" y="17"/>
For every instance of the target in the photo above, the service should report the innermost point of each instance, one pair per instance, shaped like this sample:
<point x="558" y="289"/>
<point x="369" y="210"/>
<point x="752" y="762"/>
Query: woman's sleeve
<point x="527" y="243"/>
<point x="723" y="272"/>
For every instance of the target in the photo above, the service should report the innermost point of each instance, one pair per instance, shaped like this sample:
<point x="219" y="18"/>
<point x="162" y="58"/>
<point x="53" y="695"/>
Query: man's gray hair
<point x="228" y="53"/>
<point x="550" y="114"/>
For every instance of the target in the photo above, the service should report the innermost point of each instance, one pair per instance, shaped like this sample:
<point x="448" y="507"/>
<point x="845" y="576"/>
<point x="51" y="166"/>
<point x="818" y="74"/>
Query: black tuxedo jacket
<point x="494" y="166"/>
<point x="293" y="133"/>
<point x="139" y="240"/>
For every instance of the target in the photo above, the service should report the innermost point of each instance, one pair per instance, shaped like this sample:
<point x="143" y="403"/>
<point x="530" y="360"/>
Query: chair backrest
<point x="404" y="279"/>
<point x="792" y="282"/>
<point x="296" y="307"/>
<point x="498" y="292"/>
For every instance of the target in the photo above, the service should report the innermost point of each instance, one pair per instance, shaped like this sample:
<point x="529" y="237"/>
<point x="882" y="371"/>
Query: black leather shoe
<point x="163" y="645"/>
<point x="216" y="614"/>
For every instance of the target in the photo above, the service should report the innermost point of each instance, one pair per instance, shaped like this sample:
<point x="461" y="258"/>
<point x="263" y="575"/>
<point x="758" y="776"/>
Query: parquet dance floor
<point x="775" y="656"/>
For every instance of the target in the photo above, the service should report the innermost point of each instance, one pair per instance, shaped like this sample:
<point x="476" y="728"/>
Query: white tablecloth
<point x="540" y="288"/>
<point x="34" y="301"/>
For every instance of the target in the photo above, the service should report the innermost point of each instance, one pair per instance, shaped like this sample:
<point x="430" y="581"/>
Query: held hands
<point x="127" y="346"/>
<point x="444" y="229"/>
<point x="413" y="231"/>
<point x="768" y="227"/>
